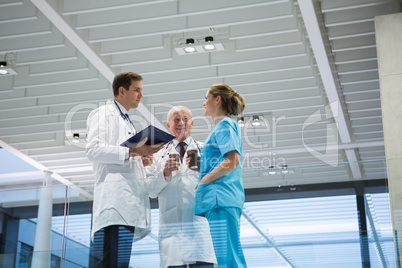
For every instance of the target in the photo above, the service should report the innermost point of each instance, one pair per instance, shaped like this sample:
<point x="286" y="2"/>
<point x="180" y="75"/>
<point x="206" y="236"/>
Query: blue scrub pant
<point x="224" y="224"/>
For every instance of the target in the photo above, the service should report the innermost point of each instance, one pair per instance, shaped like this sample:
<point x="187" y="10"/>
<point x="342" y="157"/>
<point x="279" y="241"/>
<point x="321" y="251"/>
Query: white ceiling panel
<point x="14" y="11"/>
<point x="78" y="7"/>
<point x="39" y="26"/>
<point x="126" y="15"/>
<point x="34" y="42"/>
<point x="139" y="29"/>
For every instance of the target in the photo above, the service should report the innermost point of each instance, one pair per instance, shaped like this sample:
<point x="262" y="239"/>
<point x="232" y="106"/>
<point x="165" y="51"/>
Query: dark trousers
<point x="111" y="247"/>
<point x="198" y="264"/>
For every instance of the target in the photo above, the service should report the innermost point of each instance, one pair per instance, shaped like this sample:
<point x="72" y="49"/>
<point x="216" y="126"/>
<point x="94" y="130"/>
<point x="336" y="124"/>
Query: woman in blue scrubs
<point x="220" y="191"/>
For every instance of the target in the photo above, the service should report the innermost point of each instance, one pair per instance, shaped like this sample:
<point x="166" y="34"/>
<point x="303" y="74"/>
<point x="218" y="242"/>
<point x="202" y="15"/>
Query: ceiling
<point x="309" y="70"/>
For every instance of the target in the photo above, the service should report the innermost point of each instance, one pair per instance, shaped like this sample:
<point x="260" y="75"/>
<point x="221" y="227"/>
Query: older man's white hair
<point x="179" y="109"/>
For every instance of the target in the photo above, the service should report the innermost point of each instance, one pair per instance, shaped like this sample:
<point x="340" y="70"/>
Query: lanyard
<point x="125" y="117"/>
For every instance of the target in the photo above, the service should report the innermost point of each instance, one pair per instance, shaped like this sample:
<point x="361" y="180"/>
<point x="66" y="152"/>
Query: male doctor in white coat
<point x="121" y="205"/>
<point x="184" y="239"/>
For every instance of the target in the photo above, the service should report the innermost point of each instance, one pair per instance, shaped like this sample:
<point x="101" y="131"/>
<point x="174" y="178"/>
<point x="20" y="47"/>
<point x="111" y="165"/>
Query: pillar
<point x="388" y="30"/>
<point x="42" y="247"/>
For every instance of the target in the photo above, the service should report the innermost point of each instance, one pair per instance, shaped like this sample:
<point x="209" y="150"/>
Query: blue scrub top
<point x="228" y="190"/>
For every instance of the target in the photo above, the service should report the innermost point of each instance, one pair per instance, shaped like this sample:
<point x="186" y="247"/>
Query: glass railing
<point x="281" y="221"/>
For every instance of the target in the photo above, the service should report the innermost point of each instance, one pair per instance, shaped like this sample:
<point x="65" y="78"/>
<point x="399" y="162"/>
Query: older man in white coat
<point x="121" y="204"/>
<point x="184" y="239"/>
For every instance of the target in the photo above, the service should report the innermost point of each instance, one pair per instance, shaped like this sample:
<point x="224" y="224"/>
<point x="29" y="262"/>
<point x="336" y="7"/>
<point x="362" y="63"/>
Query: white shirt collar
<point x="122" y="109"/>
<point x="186" y="141"/>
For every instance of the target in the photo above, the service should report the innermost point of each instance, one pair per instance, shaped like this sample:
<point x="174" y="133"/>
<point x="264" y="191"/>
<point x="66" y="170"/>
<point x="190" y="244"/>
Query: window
<point x="54" y="261"/>
<point x="25" y="256"/>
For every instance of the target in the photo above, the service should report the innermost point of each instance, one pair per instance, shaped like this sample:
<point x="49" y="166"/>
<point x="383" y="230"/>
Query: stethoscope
<point x="165" y="151"/>
<point x="125" y="117"/>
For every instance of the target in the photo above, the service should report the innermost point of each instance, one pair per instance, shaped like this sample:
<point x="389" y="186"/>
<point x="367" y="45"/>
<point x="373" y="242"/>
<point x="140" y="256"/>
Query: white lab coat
<point x="120" y="192"/>
<point x="183" y="237"/>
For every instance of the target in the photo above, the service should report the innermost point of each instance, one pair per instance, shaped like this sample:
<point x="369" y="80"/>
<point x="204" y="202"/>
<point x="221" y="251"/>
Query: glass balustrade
<point x="288" y="220"/>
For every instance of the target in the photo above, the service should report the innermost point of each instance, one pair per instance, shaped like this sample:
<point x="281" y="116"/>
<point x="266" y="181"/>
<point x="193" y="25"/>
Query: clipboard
<point x="154" y="134"/>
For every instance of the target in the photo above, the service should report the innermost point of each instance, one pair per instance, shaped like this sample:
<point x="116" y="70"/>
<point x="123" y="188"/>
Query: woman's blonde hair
<point x="232" y="102"/>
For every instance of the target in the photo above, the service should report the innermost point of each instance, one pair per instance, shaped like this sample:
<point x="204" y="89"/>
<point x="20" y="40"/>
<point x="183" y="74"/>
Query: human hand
<point x="197" y="169"/>
<point x="203" y="181"/>
<point x="170" y="166"/>
<point x="198" y="184"/>
<point x="142" y="149"/>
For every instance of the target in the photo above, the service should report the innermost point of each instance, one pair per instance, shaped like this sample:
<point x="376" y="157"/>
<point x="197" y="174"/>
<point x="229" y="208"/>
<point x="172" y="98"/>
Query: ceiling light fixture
<point x="209" y="39"/>
<point x="285" y="169"/>
<point x="190" y="49"/>
<point x="192" y="46"/>
<point x="3" y="65"/>
<point x="240" y="121"/>
<point x="5" y="68"/>
<point x="76" y="138"/>
<point x="271" y="170"/>
<point x="256" y="121"/>
<point x="190" y="41"/>
<point x="209" y="47"/>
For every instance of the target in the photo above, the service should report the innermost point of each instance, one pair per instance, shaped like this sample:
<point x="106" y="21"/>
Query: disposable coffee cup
<point x="175" y="156"/>
<point x="192" y="154"/>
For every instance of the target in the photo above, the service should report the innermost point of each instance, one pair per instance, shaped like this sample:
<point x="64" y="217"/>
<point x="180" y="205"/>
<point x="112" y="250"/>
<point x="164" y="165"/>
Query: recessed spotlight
<point x="271" y="170"/>
<point x="209" y="47"/>
<point x="256" y="121"/>
<point x="190" y="41"/>
<point x="197" y="45"/>
<point x="240" y="121"/>
<point x="209" y="39"/>
<point x="285" y="169"/>
<point x="3" y="70"/>
<point x="190" y="49"/>
<point x="6" y="67"/>
<point x="76" y="137"/>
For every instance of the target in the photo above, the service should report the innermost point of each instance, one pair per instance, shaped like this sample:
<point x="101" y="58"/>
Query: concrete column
<point x="41" y="254"/>
<point x="388" y="30"/>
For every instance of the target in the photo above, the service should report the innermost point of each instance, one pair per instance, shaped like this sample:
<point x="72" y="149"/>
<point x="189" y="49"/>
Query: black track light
<point x="190" y="41"/>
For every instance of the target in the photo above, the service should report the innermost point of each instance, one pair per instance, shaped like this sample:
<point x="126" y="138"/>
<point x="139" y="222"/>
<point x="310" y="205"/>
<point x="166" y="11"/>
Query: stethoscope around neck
<point x="165" y="151"/>
<point x="125" y="117"/>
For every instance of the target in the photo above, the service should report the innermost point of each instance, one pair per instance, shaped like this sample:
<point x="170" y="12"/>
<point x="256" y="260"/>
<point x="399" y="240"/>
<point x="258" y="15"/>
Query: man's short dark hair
<point x="124" y="79"/>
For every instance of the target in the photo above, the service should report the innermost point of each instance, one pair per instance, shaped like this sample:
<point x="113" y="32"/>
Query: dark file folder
<point x="154" y="134"/>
